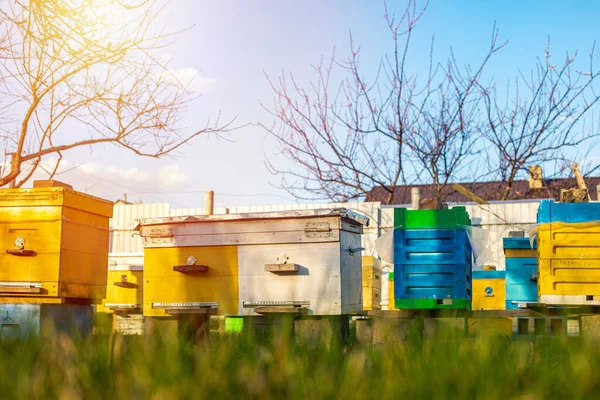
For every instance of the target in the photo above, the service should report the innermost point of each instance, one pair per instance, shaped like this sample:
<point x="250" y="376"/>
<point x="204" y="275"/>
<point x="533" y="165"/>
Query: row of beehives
<point x="559" y="265"/>
<point x="126" y="279"/>
<point x="244" y="264"/>
<point x="56" y="242"/>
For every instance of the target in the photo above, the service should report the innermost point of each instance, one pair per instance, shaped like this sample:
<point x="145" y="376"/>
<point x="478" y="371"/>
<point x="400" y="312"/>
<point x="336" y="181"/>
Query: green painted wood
<point x="453" y="218"/>
<point x="431" y="304"/>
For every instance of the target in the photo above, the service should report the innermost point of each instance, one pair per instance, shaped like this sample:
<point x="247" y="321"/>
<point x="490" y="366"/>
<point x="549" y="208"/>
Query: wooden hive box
<point x="489" y="290"/>
<point x="371" y="283"/>
<point x="54" y="245"/>
<point x="125" y="282"/>
<point x="246" y="264"/>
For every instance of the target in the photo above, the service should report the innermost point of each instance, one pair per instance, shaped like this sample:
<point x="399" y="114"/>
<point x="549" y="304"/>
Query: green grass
<point x="118" y="367"/>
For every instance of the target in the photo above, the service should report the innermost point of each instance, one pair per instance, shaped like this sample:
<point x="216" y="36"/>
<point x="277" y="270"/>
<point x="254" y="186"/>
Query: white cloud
<point x="193" y="80"/>
<point x="112" y="182"/>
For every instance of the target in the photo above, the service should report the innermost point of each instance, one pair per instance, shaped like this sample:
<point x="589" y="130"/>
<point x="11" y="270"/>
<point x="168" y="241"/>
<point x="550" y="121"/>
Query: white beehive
<point x="243" y="264"/>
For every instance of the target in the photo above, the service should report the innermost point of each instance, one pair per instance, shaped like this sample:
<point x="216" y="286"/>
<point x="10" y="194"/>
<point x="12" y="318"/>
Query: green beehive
<point x="453" y="218"/>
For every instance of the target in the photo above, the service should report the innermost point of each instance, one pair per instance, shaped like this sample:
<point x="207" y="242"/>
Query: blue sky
<point x="233" y="42"/>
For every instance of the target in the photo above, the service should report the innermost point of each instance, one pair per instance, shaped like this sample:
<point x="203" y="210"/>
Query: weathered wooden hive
<point x="306" y="261"/>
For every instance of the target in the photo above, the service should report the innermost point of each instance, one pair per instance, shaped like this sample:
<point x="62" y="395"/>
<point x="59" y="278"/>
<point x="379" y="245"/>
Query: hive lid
<point x="519" y="243"/>
<point x="288" y="214"/>
<point x="453" y="218"/>
<point x="550" y="211"/>
<point x="55" y="195"/>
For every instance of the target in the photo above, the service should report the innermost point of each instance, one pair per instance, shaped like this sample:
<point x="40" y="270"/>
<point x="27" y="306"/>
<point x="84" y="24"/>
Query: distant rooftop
<point x="489" y="191"/>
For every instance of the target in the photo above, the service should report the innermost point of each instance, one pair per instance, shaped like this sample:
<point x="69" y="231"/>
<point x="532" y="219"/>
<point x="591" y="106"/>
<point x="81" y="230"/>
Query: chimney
<point x="209" y="199"/>
<point x="535" y="177"/>
<point x="415" y="197"/>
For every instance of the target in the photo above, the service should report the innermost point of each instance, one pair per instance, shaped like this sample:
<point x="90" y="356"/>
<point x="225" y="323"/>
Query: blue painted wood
<point x="519" y="243"/>
<point x="550" y="211"/>
<point x="432" y="246"/>
<point x="424" y="281"/>
<point x="488" y="274"/>
<point x="432" y="264"/>
<point x="521" y="282"/>
<point x="25" y="320"/>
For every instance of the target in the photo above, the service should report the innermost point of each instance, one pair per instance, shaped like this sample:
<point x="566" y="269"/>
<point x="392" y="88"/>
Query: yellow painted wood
<point x="371" y="298"/>
<point x="520" y="253"/>
<point x="123" y="295"/>
<point x="67" y="230"/>
<point x="391" y="302"/>
<point x="494" y="301"/>
<point x="569" y="259"/>
<point x="219" y="284"/>
<point x="32" y="300"/>
<point x="371" y="283"/>
<point x="371" y="271"/>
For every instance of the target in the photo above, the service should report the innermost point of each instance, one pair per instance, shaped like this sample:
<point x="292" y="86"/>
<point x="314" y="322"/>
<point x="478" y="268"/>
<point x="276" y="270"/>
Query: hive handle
<point x="282" y="267"/>
<point x="191" y="269"/>
<point x="21" y="252"/>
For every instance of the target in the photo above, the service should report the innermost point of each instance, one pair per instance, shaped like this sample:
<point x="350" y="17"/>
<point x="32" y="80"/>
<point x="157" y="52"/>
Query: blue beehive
<point x="549" y="211"/>
<point x="519" y="243"/>
<point x="432" y="264"/>
<point x="521" y="274"/>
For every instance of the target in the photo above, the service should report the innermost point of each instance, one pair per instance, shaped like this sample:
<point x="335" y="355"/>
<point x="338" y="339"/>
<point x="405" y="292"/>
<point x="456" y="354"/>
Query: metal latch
<point x="317" y="229"/>
<point x="252" y="304"/>
<point x="355" y="250"/>
<point x="21" y="287"/>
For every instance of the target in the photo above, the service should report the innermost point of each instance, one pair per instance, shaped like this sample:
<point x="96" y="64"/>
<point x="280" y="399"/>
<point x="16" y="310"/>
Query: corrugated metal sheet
<point x="497" y="218"/>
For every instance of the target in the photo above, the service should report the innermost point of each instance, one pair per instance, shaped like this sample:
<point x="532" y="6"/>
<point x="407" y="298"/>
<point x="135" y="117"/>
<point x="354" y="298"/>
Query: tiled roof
<point x="489" y="191"/>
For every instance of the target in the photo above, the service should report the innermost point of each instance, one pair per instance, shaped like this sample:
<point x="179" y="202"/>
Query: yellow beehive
<point x="55" y="244"/>
<point x="569" y="259"/>
<point x="489" y="290"/>
<point x="371" y="283"/>
<point x="124" y="286"/>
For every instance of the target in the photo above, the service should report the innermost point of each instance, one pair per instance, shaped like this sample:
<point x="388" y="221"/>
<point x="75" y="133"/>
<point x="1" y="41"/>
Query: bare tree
<point x="83" y="73"/>
<point x="381" y="131"/>
<point x="444" y="139"/>
<point x="541" y="120"/>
